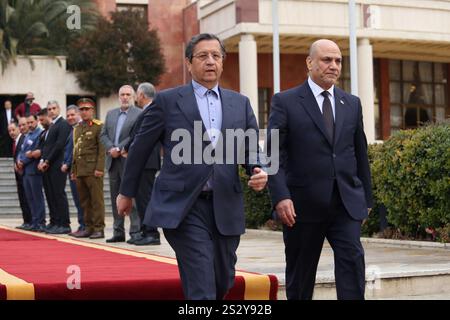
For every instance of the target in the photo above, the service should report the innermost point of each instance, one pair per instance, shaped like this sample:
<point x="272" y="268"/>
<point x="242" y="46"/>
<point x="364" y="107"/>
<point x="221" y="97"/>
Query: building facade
<point x="403" y="53"/>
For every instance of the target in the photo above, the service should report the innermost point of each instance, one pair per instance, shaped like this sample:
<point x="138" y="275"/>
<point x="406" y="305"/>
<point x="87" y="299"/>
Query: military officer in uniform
<point x="88" y="167"/>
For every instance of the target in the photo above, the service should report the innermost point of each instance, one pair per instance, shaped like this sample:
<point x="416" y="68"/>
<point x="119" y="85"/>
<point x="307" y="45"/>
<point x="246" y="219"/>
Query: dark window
<point x="418" y="93"/>
<point x="141" y="8"/>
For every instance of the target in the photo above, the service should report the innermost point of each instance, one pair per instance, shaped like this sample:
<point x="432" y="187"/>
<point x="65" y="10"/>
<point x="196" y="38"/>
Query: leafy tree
<point x="119" y="51"/>
<point x="38" y="27"/>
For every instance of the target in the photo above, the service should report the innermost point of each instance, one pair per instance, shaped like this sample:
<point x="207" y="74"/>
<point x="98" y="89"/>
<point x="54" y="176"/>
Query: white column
<point x="248" y="70"/>
<point x="366" y="87"/>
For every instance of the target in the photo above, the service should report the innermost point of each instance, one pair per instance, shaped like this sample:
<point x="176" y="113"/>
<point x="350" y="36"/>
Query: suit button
<point x="334" y="155"/>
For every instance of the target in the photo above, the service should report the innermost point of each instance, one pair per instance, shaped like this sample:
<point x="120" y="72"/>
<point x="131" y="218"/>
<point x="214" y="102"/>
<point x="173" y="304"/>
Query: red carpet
<point x="34" y="266"/>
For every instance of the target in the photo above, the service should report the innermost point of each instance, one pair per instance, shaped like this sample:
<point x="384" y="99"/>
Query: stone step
<point x="7" y="205"/>
<point x="12" y="188"/>
<point x="18" y="211"/>
<point x="12" y="183"/>
<point x="394" y="286"/>
<point x="13" y="196"/>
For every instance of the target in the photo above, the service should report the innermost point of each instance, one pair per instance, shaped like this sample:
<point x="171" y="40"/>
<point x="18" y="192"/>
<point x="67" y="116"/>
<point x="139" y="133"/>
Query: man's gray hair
<point x="72" y="107"/>
<point x="52" y="102"/>
<point x="147" y="89"/>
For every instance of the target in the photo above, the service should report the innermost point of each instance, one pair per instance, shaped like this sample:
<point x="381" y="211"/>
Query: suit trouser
<point x="115" y="178"/>
<point x="76" y="201"/>
<point x="90" y="190"/>
<point x="206" y="259"/>
<point x="303" y="246"/>
<point x="33" y="191"/>
<point x="143" y="197"/>
<point x="26" y="212"/>
<point x="54" y="187"/>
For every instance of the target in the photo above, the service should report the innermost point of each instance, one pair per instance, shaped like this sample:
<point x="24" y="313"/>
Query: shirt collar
<point x="56" y="119"/>
<point x="201" y="90"/>
<point x="146" y="106"/>
<point x="126" y="111"/>
<point x="317" y="90"/>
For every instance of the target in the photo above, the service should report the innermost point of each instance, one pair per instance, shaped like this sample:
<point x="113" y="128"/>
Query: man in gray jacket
<point x="115" y="135"/>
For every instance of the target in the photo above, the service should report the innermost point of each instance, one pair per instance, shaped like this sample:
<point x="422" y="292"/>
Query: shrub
<point x="411" y="177"/>
<point x="257" y="205"/>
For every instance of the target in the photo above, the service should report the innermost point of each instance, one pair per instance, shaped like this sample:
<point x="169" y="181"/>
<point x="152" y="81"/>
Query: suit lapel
<point x="115" y="117"/>
<point x="188" y="106"/>
<point x="340" y="112"/>
<point x="309" y="103"/>
<point x="128" y="120"/>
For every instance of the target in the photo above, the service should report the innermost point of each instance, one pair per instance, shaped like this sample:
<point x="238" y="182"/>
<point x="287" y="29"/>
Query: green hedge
<point x="411" y="177"/>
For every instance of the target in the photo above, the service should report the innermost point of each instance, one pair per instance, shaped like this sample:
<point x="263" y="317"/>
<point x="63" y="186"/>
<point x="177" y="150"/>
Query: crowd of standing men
<point x="47" y="149"/>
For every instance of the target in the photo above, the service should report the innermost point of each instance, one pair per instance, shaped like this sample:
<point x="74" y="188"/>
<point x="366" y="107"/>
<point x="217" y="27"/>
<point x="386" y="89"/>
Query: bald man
<point x="115" y="135"/>
<point x="323" y="187"/>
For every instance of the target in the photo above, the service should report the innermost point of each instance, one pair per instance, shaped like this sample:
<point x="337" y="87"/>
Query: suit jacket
<point x="68" y="149"/>
<point x="53" y="146"/>
<point x="310" y="163"/>
<point x="178" y="185"/>
<point x="154" y="161"/>
<point x="30" y="143"/>
<point x="19" y="146"/>
<point x="108" y="132"/>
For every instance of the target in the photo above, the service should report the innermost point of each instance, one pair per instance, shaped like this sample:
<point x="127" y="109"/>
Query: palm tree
<point x="38" y="27"/>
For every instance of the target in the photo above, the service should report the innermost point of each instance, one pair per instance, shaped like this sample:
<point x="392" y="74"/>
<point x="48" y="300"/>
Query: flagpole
<point x="353" y="48"/>
<point x="276" y="48"/>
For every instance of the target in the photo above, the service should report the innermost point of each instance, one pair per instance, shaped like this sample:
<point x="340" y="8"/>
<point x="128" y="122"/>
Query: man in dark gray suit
<point x="198" y="203"/>
<point x="150" y="235"/>
<point x="115" y="135"/>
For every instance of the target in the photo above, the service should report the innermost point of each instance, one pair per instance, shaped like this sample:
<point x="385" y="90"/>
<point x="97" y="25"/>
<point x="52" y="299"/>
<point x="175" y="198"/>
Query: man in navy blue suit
<point x="323" y="187"/>
<point x="198" y="203"/>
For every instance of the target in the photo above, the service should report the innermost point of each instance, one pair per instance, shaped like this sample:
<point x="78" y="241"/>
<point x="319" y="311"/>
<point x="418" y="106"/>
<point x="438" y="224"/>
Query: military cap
<point x="85" y="103"/>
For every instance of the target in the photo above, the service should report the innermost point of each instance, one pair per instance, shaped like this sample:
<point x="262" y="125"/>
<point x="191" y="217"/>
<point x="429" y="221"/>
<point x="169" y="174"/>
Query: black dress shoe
<point x="37" y="229"/>
<point x="134" y="238"/>
<point x="59" y="230"/>
<point x="116" y="239"/>
<point x="97" y="235"/>
<point x="50" y="228"/>
<point x="26" y="226"/>
<point x="148" y="240"/>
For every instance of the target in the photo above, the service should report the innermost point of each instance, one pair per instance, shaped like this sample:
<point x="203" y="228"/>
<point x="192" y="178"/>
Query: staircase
<point x="9" y="201"/>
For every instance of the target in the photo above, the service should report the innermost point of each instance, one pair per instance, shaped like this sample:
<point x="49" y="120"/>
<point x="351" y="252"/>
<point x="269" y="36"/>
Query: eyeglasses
<point x="203" y="56"/>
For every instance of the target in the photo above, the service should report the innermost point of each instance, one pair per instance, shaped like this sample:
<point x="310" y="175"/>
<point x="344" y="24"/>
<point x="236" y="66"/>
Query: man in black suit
<point x="150" y="235"/>
<point x="52" y="158"/>
<point x="6" y="117"/>
<point x="198" y="202"/>
<point x="18" y="134"/>
<point x="323" y="188"/>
